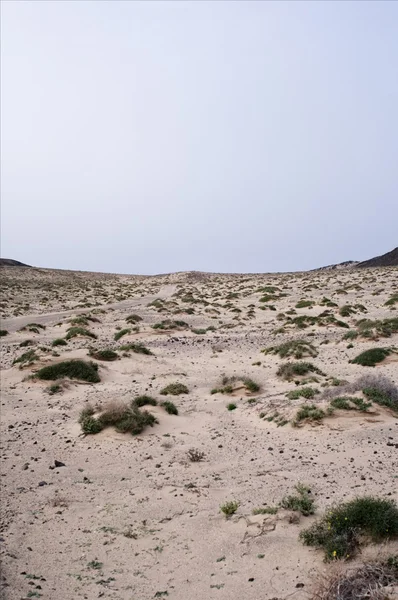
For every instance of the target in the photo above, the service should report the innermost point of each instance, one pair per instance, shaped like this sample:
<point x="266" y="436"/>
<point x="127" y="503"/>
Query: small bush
<point x="350" y="335"/>
<point x="27" y="358"/>
<point x="145" y="401"/>
<point x="296" y="348"/>
<point x="170" y="407"/>
<point x="229" y="508"/>
<point x="231" y="406"/>
<point x="79" y="331"/>
<point x="291" y="370"/>
<point x="104" y="355"/>
<point x="33" y="327"/>
<point x="195" y="455"/>
<point x="125" y="419"/>
<point x="174" y="389"/>
<point x="73" y="369"/>
<point x="371" y="357"/>
<point x="55" y="388"/>
<point x="304" y="392"/>
<point x="131" y="319"/>
<point x="137" y="348"/>
<point x="350" y="403"/>
<point x="309" y="412"/>
<point x="301" y="502"/>
<point x="379" y="397"/>
<point x="340" y="531"/>
<point x="168" y="324"/>
<point x="266" y="510"/>
<point x="3" y="332"/>
<point x="26" y="343"/>
<point x="121" y="333"/>
<point x="59" y="342"/>
<point x="304" y="303"/>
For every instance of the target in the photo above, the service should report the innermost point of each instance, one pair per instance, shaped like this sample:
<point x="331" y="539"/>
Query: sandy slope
<point x="131" y="517"/>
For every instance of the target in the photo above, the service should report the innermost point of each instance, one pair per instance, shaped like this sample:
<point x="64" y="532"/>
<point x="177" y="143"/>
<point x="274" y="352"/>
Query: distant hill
<point x="348" y="264"/>
<point x="9" y="262"/>
<point x="390" y="259"/>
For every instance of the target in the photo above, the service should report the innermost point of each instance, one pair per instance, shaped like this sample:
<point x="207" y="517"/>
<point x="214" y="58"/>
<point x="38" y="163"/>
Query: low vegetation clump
<point x="229" y="508"/>
<point x="121" y="333"/>
<point x="169" y="324"/>
<point x="26" y="343"/>
<point x="55" y="388"/>
<point x="304" y="303"/>
<point x="195" y="455"/>
<point x="301" y="502"/>
<point x="345" y="526"/>
<point x="79" y="331"/>
<point x="392" y="301"/>
<point x="367" y="581"/>
<point x="350" y="403"/>
<point x="379" y="328"/>
<point x="380" y="397"/>
<point x="107" y="355"/>
<point x="371" y="357"/>
<point x="304" y="392"/>
<point x="33" y="327"/>
<point x="174" y="389"/>
<point x="291" y="370"/>
<point x="296" y="348"/>
<point x="125" y="419"/>
<point x="132" y="319"/>
<point x="26" y="359"/>
<point x="137" y="348"/>
<point x="350" y="335"/>
<point x="265" y="510"/>
<point x="83" y="320"/>
<point x="145" y="401"/>
<point x="231" y="406"/>
<point x="170" y="407"/>
<point x="232" y="384"/>
<point x="310" y="412"/>
<point x="3" y="332"/>
<point x="72" y="369"/>
<point x="59" y="342"/>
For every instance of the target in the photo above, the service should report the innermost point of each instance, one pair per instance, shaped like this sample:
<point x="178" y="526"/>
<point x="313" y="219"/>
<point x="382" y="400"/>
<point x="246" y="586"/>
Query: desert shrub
<point x="228" y="387"/>
<point x="296" y="348"/>
<point x="76" y="331"/>
<point x="301" y="501"/>
<point x="73" y="369"/>
<point x="59" y="342"/>
<point x="121" y="333"/>
<point x="342" y="528"/>
<point x="26" y="343"/>
<point x="55" y="388"/>
<point x="175" y="389"/>
<point x="229" y="508"/>
<point x="250" y="385"/>
<point x="27" y="358"/>
<point x="393" y="300"/>
<point x="231" y="406"/>
<point x="350" y="335"/>
<point x="347" y="310"/>
<point x="373" y="329"/>
<point x="367" y="581"/>
<point x="103" y="354"/>
<point x="144" y="401"/>
<point x="33" y="327"/>
<point x="169" y="324"/>
<point x="199" y="331"/>
<point x="265" y="510"/>
<point x="131" y="319"/>
<point x="170" y="407"/>
<point x="125" y="419"/>
<point x="137" y="348"/>
<point x="290" y="370"/>
<point x="304" y="392"/>
<point x="379" y="397"/>
<point x="83" y="320"/>
<point x="304" y="303"/>
<point x="350" y="403"/>
<point x="371" y="357"/>
<point x="309" y="412"/>
<point x="3" y="332"/>
<point x="195" y="455"/>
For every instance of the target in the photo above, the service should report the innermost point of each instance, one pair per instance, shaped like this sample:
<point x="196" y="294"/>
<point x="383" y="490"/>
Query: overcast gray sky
<point x="148" y="137"/>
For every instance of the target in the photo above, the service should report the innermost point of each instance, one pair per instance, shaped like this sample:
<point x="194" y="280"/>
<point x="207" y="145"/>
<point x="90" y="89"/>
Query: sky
<point x="152" y="137"/>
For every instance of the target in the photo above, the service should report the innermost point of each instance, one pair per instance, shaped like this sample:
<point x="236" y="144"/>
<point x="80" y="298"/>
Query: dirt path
<point x="15" y="323"/>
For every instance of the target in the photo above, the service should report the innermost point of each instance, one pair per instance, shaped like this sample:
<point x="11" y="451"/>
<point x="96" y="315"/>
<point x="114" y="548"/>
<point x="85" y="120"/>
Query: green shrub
<point x="104" y="355"/>
<point x="121" y="333"/>
<point x="371" y="357"/>
<point x="266" y="510"/>
<point x="393" y="300"/>
<point x="229" y="508"/>
<point x="3" y="332"/>
<point x="59" y="342"/>
<point x="168" y="324"/>
<point x="291" y="370"/>
<point x="125" y="419"/>
<point x="33" y="327"/>
<point x="133" y="319"/>
<point x="137" y="348"/>
<point x="296" y="348"/>
<point x="144" y="401"/>
<point x="26" y="343"/>
<point x="304" y="392"/>
<point x="251" y="385"/>
<point x="301" y="502"/>
<point x="170" y="407"/>
<point x="350" y="403"/>
<point x="76" y="331"/>
<point x="350" y="335"/>
<point x="309" y="412"/>
<point x="175" y="389"/>
<point x="199" y="331"/>
<point x="27" y="358"/>
<point x="304" y="303"/>
<point x="231" y="406"/>
<point x="55" y="388"/>
<point x="340" y="531"/>
<point x="73" y="369"/>
<point x="347" y="310"/>
<point x="381" y="397"/>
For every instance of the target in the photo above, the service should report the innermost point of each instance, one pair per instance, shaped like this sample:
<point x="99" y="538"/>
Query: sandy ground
<point x="132" y="517"/>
